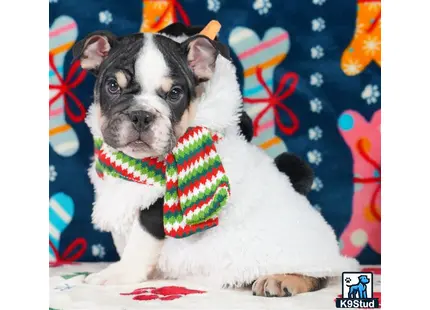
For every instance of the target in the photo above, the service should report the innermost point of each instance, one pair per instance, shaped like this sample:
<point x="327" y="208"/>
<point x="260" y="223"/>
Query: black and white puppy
<point x="149" y="90"/>
<point x="121" y="130"/>
<point x="299" y="171"/>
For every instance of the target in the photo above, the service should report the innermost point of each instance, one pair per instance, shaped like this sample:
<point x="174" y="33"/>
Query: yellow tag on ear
<point x="211" y="29"/>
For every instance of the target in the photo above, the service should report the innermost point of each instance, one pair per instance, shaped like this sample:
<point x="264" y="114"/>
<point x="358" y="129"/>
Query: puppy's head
<point x="146" y="87"/>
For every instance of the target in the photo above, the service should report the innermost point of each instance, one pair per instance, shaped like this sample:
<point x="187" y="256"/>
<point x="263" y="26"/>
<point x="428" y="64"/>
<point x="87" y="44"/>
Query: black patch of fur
<point x="299" y="171"/>
<point x="246" y="127"/>
<point x="179" y="29"/>
<point x="151" y="219"/>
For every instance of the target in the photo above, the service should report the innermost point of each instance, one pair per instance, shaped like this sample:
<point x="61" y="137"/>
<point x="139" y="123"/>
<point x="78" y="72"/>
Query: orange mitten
<point x="366" y="43"/>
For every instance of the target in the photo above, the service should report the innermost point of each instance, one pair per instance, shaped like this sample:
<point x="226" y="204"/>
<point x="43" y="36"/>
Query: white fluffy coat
<point x="265" y="228"/>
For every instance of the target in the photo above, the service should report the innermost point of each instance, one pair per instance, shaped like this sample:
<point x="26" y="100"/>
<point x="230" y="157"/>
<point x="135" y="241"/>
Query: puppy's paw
<point x="116" y="274"/>
<point x="286" y="285"/>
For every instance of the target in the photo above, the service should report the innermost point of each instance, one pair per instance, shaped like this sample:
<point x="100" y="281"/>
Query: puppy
<point x="149" y="90"/>
<point x="298" y="171"/>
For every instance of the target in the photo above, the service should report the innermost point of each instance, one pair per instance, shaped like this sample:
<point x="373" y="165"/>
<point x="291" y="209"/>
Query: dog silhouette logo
<point x="357" y="291"/>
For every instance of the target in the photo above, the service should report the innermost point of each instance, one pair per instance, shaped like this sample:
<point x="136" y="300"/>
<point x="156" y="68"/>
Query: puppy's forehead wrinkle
<point x="122" y="56"/>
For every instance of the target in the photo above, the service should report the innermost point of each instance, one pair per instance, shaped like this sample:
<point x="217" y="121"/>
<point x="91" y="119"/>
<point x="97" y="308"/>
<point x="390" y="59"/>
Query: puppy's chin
<point x="138" y="152"/>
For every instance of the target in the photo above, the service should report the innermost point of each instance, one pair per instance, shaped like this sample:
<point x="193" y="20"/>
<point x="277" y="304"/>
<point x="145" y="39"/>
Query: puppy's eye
<point x="175" y="94"/>
<point x="112" y="86"/>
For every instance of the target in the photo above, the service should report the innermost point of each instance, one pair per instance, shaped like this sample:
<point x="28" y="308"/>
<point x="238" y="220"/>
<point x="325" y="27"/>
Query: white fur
<point x="265" y="228"/>
<point x="137" y="262"/>
<point x="151" y="73"/>
<point x="179" y="39"/>
<point x="151" y="68"/>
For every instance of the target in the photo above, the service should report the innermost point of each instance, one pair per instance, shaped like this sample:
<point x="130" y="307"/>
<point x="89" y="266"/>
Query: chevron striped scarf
<point x="196" y="184"/>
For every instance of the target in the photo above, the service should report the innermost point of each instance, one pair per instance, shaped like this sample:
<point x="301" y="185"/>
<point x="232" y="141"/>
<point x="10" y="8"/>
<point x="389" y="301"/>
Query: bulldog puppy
<point x="149" y="90"/>
<point x="299" y="171"/>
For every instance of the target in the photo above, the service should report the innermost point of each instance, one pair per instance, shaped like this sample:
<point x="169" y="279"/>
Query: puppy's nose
<point x="141" y="119"/>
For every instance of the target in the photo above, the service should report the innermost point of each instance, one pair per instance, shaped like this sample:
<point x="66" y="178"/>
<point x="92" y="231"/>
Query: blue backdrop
<point x="319" y="32"/>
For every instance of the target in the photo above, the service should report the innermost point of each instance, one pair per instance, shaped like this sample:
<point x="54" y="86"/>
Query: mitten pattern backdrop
<point x="310" y="75"/>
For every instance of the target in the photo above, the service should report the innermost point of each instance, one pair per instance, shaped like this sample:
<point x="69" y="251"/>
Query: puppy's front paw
<point x="286" y="285"/>
<point x="116" y="274"/>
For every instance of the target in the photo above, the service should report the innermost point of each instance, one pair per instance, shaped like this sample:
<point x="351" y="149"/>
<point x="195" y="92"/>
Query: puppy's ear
<point x="93" y="49"/>
<point x="201" y="56"/>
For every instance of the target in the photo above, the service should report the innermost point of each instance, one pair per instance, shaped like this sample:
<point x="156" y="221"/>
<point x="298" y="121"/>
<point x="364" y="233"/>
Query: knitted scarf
<point x="196" y="184"/>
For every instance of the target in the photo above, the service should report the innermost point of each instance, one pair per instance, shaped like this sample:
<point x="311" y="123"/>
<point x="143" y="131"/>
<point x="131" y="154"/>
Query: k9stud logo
<point x="357" y="291"/>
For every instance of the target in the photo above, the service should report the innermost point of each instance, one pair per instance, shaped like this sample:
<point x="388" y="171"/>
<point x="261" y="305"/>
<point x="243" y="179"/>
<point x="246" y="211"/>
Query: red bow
<point x="66" y="258"/>
<point x="176" y="5"/>
<point x="65" y="88"/>
<point x="371" y="180"/>
<point x="275" y="101"/>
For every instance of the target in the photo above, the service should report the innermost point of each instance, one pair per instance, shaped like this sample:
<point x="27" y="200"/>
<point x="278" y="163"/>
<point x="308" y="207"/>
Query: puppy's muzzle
<point x="141" y="120"/>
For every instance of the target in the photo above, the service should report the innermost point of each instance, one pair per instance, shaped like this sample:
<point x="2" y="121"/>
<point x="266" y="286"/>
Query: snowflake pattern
<point x="316" y="105"/>
<point x="359" y="29"/>
<point x="318" y="2"/>
<point x="374" y="6"/>
<point x="318" y="24"/>
<point x="371" y="45"/>
<point x="105" y="17"/>
<point x="317" y="185"/>
<point x="214" y="5"/>
<point x="52" y="173"/>
<point x="315" y="133"/>
<point x="316" y="79"/>
<point x="317" y="52"/>
<point x="314" y="157"/>
<point x="98" y="250"/>
<point x="262" y="6"/>
<point x="371" y="94"/>
<point x="352" y="67"/>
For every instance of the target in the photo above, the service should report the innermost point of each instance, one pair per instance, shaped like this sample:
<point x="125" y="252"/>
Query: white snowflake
<point x="371" y="45"/>
<point x="98" y="250"/>
<point x="105" y="17"/>
<point x="214" y="5"/>
<point x="371" y="94"/>
<point x="315" y="133"/>
<point x="352" y="67"/>
<point x="52" y="173"/>
<point x="262" y="6"/>
<point x="317" y="185"/>
<point x="317" y="52"/>
<point x="318" y="2"/>
<point x="317" y="207"/>
<point x="316" y="105"/>
<point x="318" y="24"/>
<point x="316" y="79"/>
<point x="314" y="157"/>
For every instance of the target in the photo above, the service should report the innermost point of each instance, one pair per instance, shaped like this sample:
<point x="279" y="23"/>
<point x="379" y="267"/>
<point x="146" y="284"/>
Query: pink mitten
<point x="364" y="140"/>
